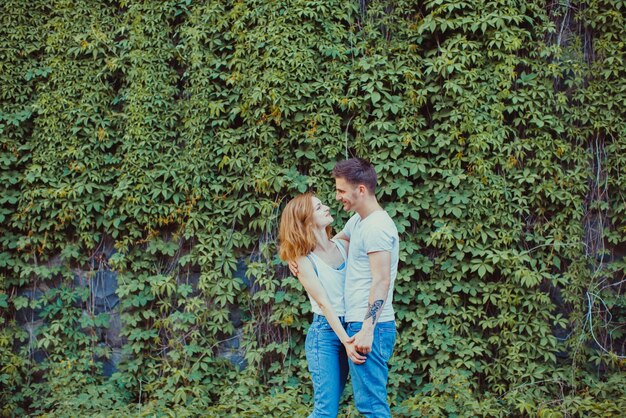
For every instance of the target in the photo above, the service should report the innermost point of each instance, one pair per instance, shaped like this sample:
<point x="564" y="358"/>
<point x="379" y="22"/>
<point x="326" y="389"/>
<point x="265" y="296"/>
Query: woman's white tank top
<point x="333" y="281"/>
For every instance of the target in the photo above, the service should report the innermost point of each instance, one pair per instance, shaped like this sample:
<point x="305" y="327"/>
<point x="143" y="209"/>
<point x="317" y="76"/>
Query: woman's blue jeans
<point x="328" y="364"/>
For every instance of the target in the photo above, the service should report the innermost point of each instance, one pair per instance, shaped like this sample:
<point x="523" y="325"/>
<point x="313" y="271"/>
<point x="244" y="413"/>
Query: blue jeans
<point x="369" y="380"/>
<point x="328" y="364"/>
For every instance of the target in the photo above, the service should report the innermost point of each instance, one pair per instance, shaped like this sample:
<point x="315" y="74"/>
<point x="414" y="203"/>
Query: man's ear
<point x="362" y="189"/>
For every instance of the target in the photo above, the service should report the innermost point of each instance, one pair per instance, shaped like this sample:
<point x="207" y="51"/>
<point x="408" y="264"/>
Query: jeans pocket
<point x="325" y="326"/>
<point x="310" y="340"/>
<point x="386" y="342"/>
<point x="354" y="327"/>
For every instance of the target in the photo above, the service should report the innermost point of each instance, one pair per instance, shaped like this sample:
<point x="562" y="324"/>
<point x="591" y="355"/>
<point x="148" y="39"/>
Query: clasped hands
<point x="358" y="346"/>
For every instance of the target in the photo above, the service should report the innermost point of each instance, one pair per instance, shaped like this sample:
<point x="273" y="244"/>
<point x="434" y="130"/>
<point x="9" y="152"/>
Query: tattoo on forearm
<point x="372" y="310"/>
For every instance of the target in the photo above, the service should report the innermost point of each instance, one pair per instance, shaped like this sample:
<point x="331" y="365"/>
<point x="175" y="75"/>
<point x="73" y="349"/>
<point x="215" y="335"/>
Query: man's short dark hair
<point x="357" y="171"/>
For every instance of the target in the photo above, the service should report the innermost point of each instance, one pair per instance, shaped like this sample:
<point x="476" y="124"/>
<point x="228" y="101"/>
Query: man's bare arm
<point x="380" y="264"/>
<point x="342" y="236"/>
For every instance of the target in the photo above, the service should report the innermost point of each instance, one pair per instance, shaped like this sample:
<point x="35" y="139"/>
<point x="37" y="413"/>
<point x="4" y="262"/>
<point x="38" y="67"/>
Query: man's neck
<point x="368" y="206"/>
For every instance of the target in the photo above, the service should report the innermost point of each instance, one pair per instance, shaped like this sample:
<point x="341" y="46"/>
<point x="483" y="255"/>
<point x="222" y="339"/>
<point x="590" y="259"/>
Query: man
<point x="372" y="268"/>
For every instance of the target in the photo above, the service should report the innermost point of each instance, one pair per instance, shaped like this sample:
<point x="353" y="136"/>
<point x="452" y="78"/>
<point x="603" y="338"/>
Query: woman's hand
<point x="353" y="355"/>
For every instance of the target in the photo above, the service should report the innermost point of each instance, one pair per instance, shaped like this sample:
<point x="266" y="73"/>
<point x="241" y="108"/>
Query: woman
<point x="305" y="238"/>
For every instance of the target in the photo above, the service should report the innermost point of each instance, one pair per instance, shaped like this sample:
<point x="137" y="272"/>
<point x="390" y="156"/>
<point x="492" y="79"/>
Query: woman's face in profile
<point x="321" y="213"/>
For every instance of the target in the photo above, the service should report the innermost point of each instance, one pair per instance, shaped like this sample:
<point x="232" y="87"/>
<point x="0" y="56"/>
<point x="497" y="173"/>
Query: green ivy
<point x="160" y="140"/>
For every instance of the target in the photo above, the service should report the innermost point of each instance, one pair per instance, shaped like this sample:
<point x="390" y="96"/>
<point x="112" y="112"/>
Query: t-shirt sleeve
<point x="378" y="237"/>
<point x="347" y="229"/>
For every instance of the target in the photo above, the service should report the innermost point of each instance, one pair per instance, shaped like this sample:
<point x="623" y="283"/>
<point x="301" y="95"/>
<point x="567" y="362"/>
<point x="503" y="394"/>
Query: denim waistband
<point x="322" y="318"/>
<point x="386" y="325"/>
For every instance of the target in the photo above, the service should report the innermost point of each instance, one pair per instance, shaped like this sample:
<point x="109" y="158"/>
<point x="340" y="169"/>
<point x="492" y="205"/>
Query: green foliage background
<point x="175" y="130"/>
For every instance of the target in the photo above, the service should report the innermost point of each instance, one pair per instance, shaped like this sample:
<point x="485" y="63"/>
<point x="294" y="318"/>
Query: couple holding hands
<point x="349" y="279"/>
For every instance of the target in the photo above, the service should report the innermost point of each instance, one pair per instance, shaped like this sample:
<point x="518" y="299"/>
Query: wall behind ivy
<point x="156" y="142"/>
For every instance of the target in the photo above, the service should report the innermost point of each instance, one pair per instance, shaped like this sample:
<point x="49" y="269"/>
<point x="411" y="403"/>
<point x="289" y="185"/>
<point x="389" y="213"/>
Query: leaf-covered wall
<point x="155" y="143"/>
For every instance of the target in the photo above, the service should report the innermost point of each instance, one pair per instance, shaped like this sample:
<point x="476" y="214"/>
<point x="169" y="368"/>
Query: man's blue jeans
<point x="369" y="380"/>
<point x="328" y="364"/>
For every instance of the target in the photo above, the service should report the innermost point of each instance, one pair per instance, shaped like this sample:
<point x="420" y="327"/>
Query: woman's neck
<point x="323" y="243"/>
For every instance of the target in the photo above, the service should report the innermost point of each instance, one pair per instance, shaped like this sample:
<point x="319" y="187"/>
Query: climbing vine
<point x="147" y="149"/>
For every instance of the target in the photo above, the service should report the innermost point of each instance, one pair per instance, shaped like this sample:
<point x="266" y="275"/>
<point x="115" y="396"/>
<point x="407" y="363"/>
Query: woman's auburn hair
<point x="295" y="235"/>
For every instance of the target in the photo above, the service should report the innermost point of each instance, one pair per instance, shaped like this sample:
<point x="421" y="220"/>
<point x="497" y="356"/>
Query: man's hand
<point x="293" y="267"/>
<point x="352" y="353"/>
<point x="363" y="341"/>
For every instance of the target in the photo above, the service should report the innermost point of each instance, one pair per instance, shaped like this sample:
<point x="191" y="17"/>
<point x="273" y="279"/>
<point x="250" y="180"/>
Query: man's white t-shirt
<point x="376" y="232"/>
